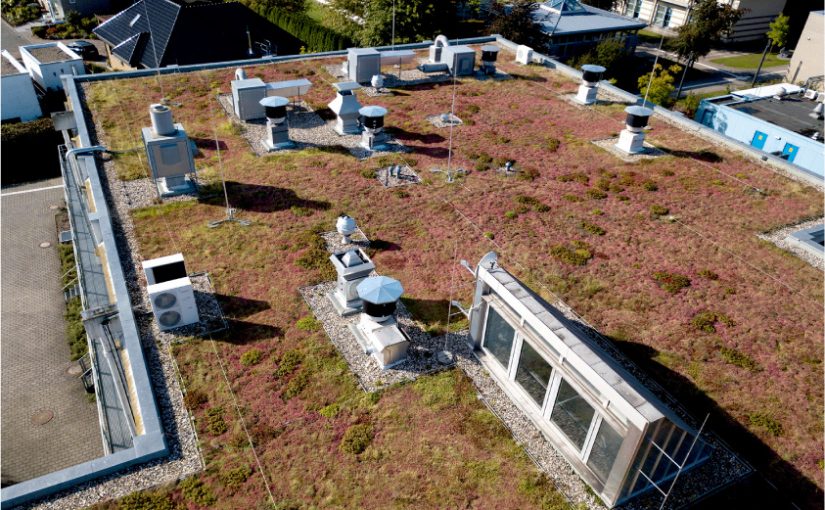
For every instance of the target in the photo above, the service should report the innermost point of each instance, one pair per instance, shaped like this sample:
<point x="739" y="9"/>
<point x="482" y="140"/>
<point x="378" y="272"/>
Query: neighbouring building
<point x="615" y="433"/>
<point x="667" y="16"/>
<point x="806" y="62"/>
<point x="47" y="62"/>
<point x="776" y="119"/>
<point x="19" y="99"/>
<point x="573" y="28"/>
<point x="158" y="33"/>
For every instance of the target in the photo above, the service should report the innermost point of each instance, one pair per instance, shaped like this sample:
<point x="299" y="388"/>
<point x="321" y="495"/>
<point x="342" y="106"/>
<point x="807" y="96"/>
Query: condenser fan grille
<point x="169" y="318"/>
<point x="165" y="300"/>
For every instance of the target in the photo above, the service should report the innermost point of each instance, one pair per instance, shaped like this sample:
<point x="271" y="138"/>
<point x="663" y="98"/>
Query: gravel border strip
<point x="781" y="238"/>
<point x="609" y="144"/>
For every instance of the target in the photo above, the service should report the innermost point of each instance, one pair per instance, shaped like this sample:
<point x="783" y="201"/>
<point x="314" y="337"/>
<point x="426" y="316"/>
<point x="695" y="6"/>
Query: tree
<point x="778" y="31"/>
<point x="709" y="22"/>
<point x="659" y="89"/>
<point x="415" y="20"/>
<point x="610" y="54"/>
<point x="287" y="5"/>
<point x="515" y="22"/>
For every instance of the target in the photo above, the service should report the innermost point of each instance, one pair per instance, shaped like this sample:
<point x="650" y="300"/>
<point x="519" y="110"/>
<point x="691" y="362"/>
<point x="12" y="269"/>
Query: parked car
<point x="85" y="49"/>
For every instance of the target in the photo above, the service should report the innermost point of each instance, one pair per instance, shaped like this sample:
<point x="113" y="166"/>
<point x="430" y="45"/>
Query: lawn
<point x="740" y="337"/>
<point x="751" y="61"/>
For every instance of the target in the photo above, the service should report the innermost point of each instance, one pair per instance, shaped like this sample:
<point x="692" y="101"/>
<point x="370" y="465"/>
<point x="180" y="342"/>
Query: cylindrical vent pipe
<point x="162" y="123"/>
<point x="240" y="74"/>
<point x="489" y="53"/>
<point x="275" y="108"/>
<point x="592" y="73"/>
<point x="637" y="117"/>
<point x="372" y="117"/>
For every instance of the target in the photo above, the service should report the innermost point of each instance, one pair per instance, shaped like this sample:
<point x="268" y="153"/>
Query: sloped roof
<point x="157" y="33"/>
<point x="565" y="17"/>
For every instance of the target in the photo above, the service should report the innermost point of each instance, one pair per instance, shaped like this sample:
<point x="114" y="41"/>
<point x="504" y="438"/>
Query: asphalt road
<point x="10" y="38"/>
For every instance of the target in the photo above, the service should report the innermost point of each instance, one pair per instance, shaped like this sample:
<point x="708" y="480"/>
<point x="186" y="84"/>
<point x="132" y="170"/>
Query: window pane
<point x="533" y="373"/>
<point x="604" y="451"/>
<point x="498" y="339"/>
<point x="572" y="414"/>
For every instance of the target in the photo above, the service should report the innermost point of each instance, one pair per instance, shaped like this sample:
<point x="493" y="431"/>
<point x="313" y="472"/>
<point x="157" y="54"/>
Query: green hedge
<point x="29" y="151"/>
<point x="316" y="38"/>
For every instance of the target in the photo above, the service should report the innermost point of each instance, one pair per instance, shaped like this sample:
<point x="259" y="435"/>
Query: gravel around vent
<point x="306" y="130"/>
<point x="609" y="144"/>
<point x="780" y="237"/>
<point x="406" y="177"/>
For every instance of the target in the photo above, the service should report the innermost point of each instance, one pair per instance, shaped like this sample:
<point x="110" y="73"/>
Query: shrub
<point x="489" y="235"/>
<point x="330" y="411"/>
<point x="572" y="198"/>
<point x="739" y="359"/>
<point x="510" y="215"/>
<point x="650" y="186"/>
<point x="357" y="438"/>
<point x="472" y="109"/>
<point x="195" y="398"/>
<point x="577" y="253"/>
<point x="308" y="323"/>
<point x="658" y="210"/>
<point x="146" y="501"/>
<point x="767" y="422"/>
<point x="597" y="212"/>
<point x="528" y="173"/>
<point x="574" y="177"/>
<point x="368" y="173"/>
<point x="300" y="211"/>
<point x="553" y="144"/>
<point x="215" y="423"/>
<point x="251" y="357"/>
<point x="75" y="332"/>
<point x="234" y="478"/>
<point x="603" y="183"/>
<point x="195" y="491"/>
<point x="706" y="321"/>
<point x="295" y="385"/>
<point x="596" y="194"/>
<point x="288" y="363"/>
<point x="671" y="282"/>
<point x="707" y="273"/>
<point x="593" y="229"/>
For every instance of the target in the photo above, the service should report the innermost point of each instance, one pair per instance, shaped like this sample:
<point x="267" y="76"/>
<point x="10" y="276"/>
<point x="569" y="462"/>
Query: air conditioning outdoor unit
<point x="170" y="292"/>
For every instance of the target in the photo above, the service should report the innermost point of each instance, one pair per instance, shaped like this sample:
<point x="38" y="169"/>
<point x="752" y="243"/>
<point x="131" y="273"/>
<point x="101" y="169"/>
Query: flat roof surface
<point x="49" y="54"/>
<point x="680" y="292"/>
<point x="791" y="112"/>
<point x="7" y="68"/>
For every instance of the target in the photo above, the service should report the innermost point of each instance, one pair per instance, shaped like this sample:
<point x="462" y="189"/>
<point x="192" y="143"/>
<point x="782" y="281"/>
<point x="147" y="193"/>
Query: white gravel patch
<point x="444" y="120"/>
<point x="406" y="177"/>
<point x="781" y="237"/>
<point x="306" y="130"/>
<point x="609" y="144"/>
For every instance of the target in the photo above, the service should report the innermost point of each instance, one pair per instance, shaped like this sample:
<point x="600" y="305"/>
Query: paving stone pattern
<point x="35" y="355"/>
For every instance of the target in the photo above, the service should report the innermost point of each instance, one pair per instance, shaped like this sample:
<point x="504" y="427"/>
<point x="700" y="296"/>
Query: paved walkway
<point x="35" y="355"/>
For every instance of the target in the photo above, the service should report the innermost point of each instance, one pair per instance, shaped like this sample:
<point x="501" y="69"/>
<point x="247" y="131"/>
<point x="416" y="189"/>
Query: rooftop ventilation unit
<point x="377" y="81"/>
<point x="524" y="54"/>
<point x="345" y="106"/>
<point x="345" y="225"/>
<point x="372" y="118"/>
<point x="276" y="123"/>
<point x="632" y="137"/>
<point x="436" y="49"/>
<point x="460" y="60"/>
<point x="817" y="111"/>
<point x="810" y="94"/>
<point x="170" y="292"/>
<point x="353" y="267"/>
<point x="489" y="54"/>
<point x="377" y="330"/>
<point x="168" y="151"/>
<point x="589" y="88"/>
<point x="246" y="96"/>
<point x="363" y="64"/>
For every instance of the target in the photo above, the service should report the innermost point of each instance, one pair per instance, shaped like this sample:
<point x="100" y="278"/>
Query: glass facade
<point x="604" y="450"/>
<point x="498" y="337"/>
<point x="572" y="414"/>
<point x="533" y="373"/>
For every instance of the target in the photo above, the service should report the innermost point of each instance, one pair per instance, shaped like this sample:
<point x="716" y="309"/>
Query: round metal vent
<point x="169" y="318"/>
<point x="165" y="300"/>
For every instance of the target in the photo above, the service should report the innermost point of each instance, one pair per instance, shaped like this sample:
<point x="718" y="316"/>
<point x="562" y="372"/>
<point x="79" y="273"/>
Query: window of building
<point x="604" y="450"/>
<point x="533" y="373"/>
<point x="663" y="14"/>
<point x="572" y="414"/>
<point x="633" y="8"/>
<point x="498" y="337"/>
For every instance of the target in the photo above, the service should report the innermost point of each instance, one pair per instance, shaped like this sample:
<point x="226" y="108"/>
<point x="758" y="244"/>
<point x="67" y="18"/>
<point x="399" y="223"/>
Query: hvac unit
<point x="524" y="54"/>
<point x="246" y="96"/>
<point x="170" y="292"/>
<point x="168" y="151"/>
<point x="363" y="64"/>
<point x="460" y="60"/>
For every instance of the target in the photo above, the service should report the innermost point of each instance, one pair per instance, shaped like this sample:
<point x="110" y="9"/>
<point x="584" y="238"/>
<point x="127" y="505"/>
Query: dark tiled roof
<point x="184" y="34"/>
